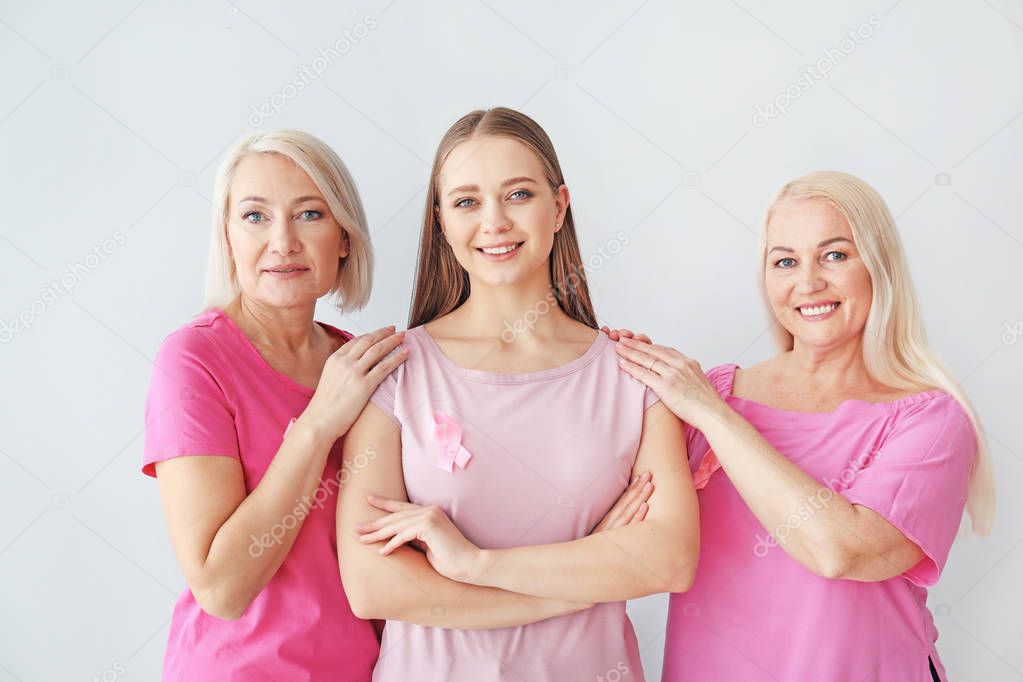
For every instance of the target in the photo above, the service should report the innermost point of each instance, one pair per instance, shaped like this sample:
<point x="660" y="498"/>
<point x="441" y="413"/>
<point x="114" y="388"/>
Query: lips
<point x="499" y="249"/>
<point x="286" y="268"/>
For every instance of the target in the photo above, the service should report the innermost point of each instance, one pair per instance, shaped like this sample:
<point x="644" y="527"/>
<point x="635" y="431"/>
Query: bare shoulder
<point x="749" y="380"/>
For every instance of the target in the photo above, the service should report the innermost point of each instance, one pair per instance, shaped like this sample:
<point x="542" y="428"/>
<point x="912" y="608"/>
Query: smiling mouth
<point x="815" y="310"/>
<point x="500" y="250"/>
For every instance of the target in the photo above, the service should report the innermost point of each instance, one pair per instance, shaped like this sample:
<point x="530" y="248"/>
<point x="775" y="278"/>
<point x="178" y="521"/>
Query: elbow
<point x="220" y="605"/>
<point x="680" y="561"/>
<point x="833" y="563"/>
<point x="682" y="578"/>
<point x="360" y="597"/>
<point x="362" y="606"/>
<point x="681" y="572"/>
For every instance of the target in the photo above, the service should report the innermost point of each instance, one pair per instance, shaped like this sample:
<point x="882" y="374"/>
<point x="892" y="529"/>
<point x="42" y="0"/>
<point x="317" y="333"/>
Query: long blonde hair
<point x="441" y="283"/>
<point x="330" y="175"/>
<point x="895" y="348"/>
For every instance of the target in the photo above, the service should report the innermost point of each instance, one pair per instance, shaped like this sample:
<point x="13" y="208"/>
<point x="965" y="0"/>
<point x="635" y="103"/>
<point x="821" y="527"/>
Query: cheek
<point x="777" y="292"/>
<point x="244" y="246"/>
<point x="459" y="229"/>
<point x="324" y="247"/>
<point x="855" y="284"/>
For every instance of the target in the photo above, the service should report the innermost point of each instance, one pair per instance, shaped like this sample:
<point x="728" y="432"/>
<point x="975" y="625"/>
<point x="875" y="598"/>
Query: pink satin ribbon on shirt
<point x="708" y="465"/>
<point x="448" y="435"/>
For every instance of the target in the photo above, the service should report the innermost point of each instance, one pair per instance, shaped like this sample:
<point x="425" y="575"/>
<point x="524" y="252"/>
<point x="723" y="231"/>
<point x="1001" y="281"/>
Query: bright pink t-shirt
<point x="213" y="393"/>
<point x="755" y="614"/>
<point x="550" y="452"/>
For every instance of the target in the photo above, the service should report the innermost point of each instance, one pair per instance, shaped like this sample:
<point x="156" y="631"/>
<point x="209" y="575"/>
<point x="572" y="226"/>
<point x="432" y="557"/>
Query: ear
<point x="440" y="223"/>
<point x="561" y="201"/>
<point x="346" y="245"/>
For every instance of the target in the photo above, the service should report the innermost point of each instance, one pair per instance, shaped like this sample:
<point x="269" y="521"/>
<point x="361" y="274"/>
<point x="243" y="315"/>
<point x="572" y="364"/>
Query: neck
<point x="521" y="311"/>
<point x="837" y="366"/>
<point x="290" y="328"/>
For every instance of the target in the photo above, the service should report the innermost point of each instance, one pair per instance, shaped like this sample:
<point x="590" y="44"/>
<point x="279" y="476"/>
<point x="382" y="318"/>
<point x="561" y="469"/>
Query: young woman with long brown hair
<point x="484" y="463"/>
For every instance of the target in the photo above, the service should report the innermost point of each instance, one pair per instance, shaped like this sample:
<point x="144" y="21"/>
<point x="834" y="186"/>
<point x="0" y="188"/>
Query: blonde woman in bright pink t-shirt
<point x="845" y="462"/>
<point x="485" y="462"/>
<point x="244" y="414"/>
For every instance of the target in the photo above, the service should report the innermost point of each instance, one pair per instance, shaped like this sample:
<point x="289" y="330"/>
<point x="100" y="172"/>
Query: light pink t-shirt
<point x="213" y="393"/>
<point x="755" y="614"/>
<point x="551" y="451"/>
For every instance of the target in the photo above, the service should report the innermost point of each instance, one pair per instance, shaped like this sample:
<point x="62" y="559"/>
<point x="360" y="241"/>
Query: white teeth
<point x="500" y="249"/>
<point x="818" y="310"/>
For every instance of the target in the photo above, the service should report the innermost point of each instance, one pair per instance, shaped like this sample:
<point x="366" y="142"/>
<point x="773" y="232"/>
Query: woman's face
<point x="817" y="285"/>
<point x="285" y="243"/>
<point x="497" y="210"/>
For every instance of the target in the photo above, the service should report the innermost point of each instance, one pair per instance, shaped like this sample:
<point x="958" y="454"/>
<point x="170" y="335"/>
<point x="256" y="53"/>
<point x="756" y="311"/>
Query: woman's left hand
<point x="427" y="529"/>
<point x="676" y="379"/>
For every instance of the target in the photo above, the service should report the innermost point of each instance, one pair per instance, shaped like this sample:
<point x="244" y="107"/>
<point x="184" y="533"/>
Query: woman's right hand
<point x="350" y="376"/>
<point x="631" y="507"/>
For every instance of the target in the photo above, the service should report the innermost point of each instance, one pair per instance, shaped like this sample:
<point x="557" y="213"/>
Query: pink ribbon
<point x="448" y="435"/>
<point x="708" y="465"/>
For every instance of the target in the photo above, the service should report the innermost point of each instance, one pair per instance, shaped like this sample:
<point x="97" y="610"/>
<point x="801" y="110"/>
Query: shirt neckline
<point x="848" y="403"/>
<point x="514" y="378"/>
<point x="283" y="378"/>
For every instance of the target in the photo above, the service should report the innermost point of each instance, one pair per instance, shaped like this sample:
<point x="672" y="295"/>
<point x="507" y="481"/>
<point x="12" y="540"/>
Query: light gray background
<point x="112" y="116"/>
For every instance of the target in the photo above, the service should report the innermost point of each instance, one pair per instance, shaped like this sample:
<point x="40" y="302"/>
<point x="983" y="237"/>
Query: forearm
<point x="403" y="586"/>
<point x="252" y="543"/>
<point x="815" y="525"/>
<point x="622" y="563"/>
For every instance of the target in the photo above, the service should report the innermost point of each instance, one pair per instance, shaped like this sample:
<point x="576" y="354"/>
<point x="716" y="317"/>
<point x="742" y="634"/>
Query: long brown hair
<point x="442" y="284"/>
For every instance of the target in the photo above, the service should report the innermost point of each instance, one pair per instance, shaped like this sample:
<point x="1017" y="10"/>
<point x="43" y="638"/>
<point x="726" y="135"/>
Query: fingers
<point x="640" y="513"/>
<point x="407" y="535"/>
<point x="644" y="338"/>
<point x="662" y="353"/>
<point x="359" y="344"/>
<point x="388" y="504"/>
<point x="642" y="374"/>
<point x="387" y="365"/>
<point x="378" y="350"/>
<point x="641" y="355"/>
<point x="628" y="505"/>
<point x="640" y="493"/>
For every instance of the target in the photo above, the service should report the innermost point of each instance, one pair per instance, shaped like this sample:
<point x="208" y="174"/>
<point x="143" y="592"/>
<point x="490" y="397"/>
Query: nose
<point x="811" y="280"/>
<point x="283" y="239"/>
<point x="494" y="219"/>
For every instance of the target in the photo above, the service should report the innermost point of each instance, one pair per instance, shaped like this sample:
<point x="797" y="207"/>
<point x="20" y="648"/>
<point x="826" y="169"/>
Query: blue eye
<point x="841" y="255"/>
<point x="461" y="203"/>
<point x="525" y="194"/>
<point x="782" y="263"/>
<point x="311" y="215"/>
<point x="254" y="217"/>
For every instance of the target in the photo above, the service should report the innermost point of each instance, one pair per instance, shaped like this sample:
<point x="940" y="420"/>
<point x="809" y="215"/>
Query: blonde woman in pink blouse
<point x="845" y="462"/>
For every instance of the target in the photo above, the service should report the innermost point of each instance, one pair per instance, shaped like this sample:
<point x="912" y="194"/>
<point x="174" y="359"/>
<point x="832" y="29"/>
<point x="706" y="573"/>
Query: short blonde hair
<point x="895" y="347"/>
<point x="330" y="175"/>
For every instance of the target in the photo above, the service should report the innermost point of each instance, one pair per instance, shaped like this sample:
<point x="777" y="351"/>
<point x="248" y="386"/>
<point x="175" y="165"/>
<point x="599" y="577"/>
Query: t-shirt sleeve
<point x="649" y="398"/>
<point x="384" y="395"/>
<point x="918" y="480"/>
<point x="696" y="444"/>
<point x="187" y="411"/>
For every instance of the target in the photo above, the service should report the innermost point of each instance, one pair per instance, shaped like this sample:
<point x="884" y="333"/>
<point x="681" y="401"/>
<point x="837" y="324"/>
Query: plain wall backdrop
<point x="674" y="121"/>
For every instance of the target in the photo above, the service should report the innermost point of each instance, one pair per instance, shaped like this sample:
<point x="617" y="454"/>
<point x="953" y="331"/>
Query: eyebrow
<point x="506" y="183"/>
<point x="819" y="246"/>
<point x="299" y="200"/>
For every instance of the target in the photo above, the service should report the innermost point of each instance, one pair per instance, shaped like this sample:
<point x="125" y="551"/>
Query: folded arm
<point x="403" y="585"/>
